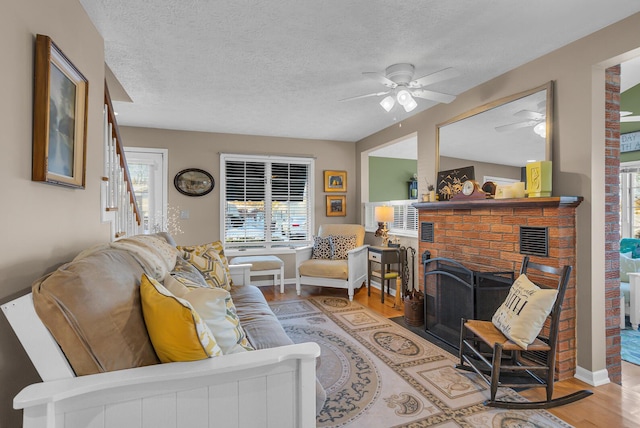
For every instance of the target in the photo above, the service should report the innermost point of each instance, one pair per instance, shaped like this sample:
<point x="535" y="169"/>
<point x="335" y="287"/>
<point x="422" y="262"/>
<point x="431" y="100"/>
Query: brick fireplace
<point x="486" y="235"/>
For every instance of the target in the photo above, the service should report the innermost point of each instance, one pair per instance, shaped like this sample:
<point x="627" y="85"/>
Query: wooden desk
<point x="384" y="256"/>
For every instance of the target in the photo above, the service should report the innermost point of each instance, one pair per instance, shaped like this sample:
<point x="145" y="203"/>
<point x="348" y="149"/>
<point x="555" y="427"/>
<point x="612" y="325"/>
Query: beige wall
<point x="578" y="153"/>
<point x="41" y="225"/>
<point x="202" y="150"/>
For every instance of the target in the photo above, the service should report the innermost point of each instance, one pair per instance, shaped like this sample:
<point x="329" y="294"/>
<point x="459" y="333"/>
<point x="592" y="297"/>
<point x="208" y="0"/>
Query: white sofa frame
<point x="266" y="388"/>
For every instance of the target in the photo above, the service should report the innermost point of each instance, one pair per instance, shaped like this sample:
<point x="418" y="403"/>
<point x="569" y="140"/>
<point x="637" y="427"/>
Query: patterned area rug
<point x="378" y="374"/>
<point x="630" y="349"/>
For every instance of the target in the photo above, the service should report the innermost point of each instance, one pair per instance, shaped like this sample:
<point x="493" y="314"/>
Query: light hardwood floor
<point x="610" y="406"/>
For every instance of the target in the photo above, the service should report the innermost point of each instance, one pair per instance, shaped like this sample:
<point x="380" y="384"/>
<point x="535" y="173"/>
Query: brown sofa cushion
<point x="92" y="308"/>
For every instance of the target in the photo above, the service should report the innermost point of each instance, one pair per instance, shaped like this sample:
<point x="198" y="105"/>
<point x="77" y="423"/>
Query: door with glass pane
<point x="148" y="171"/>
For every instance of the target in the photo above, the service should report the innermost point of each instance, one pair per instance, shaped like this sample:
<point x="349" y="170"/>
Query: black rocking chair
<point x="501" y="362"/>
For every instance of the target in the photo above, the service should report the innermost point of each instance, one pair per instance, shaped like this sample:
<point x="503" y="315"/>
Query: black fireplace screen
<point x="453" y="292"/>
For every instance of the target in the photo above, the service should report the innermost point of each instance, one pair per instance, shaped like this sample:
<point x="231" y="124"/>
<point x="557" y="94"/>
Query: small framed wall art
<point x="59" y="118"/>
<point x="335" y="181"/>
<point x="336" y="205"/>
<point x="193" y="182"/>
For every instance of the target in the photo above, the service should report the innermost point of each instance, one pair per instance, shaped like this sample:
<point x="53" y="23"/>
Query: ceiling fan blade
<point x="433" y="96"/>
<point x="514" y="126"/>
<point x="380" y="78"/>
<point x="438" y="76"/>
<point x="528" y="114"/>
<point x="630" y="119"/>
<point x="357" y="97"/>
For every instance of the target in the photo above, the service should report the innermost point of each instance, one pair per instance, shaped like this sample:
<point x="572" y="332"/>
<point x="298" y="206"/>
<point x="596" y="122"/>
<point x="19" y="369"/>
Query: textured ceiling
<point x="278" y="68"/>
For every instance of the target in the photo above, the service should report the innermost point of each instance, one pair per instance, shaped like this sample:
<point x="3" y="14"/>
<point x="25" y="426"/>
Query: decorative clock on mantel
<point x="470" y="190"/>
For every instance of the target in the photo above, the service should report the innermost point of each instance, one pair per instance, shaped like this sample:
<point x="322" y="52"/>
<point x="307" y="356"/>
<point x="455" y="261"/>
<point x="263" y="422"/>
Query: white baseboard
<point x="600" y="377"/>
<point x="375" y="284"/>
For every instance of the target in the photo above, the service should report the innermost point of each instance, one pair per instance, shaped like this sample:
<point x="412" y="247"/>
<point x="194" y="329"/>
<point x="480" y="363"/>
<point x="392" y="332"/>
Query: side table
<point x="385" y="257"/>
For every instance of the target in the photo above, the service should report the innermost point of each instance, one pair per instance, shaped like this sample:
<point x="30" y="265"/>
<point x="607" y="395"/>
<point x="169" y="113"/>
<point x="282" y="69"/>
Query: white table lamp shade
<point x="384" y="214"/>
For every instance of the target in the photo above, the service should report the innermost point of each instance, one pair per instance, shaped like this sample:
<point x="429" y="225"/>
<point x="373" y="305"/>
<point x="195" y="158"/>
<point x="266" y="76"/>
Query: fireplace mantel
<point x="553" y="201"/>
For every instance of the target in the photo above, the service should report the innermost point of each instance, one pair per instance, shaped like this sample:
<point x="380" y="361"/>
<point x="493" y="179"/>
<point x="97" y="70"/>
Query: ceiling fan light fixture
<point x="404" y="97"/>
<point x="541" y="129"/>
<point x="410" y="105"/>
<point x="387" y="103"/>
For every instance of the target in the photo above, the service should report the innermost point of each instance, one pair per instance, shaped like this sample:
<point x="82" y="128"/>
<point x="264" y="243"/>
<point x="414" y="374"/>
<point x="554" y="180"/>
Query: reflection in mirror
<point x="499" y="138"/>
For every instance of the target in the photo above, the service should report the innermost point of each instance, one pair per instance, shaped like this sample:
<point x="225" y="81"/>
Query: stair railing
<point x="118" y="202"/>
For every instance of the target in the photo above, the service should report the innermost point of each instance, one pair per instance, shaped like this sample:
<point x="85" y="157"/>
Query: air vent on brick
<point x="426" y="231"/>
<point x="534" y="241"/>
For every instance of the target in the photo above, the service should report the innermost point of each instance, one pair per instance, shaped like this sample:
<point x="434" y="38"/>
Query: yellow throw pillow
<point x="523" y="313"/>
<point x="175" y="328"/>
<point x="216" y="308"/>
<point x="214" y="251"/>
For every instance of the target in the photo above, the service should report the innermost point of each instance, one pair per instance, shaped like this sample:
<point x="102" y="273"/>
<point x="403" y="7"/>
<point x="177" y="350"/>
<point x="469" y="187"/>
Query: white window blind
<point x="266" y="200"/>
<point x="405" y="217"/>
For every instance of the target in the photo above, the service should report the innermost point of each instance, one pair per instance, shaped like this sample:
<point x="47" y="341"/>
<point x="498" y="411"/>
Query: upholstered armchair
<point x="331" y="270"/>
<point x="630" y="282"/>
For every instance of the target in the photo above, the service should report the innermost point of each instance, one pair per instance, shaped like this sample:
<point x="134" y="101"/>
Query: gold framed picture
<point x="336" y="205"/>
<point x="335" y="181"/>
<point x="59" y="118"/>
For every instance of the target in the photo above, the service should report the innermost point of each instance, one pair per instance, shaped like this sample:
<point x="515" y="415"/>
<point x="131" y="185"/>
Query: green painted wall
<point x="629" y="157"/>
<point x="388" y="178"/>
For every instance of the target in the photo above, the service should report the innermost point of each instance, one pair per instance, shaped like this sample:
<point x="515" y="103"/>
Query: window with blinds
<point x="266" y="200"/>
<point x="405" y="217"/>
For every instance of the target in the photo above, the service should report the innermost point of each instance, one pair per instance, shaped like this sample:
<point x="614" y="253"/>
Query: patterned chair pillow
<point x="342" y="244"/>
<point x="322" y="248"/>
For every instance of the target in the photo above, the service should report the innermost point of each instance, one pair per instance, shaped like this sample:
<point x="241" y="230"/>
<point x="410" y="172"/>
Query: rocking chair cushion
<point x="524" y="311"/>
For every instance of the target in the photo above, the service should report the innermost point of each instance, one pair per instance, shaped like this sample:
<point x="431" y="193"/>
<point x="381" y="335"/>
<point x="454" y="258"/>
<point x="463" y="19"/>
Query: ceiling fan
<point x="402" y="87"/>
<point x="536" y="119"/>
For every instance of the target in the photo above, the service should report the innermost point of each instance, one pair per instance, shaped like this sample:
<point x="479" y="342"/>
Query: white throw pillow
<point x="216" y="309"/>
<point x="523" y="313"/>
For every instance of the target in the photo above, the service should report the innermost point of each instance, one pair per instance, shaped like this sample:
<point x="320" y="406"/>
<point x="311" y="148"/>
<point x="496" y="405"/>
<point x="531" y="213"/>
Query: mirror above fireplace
<point x="500" y="137"/>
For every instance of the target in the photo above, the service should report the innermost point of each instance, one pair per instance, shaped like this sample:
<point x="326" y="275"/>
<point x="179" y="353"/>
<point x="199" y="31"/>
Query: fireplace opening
<point x="453" y="292"/>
